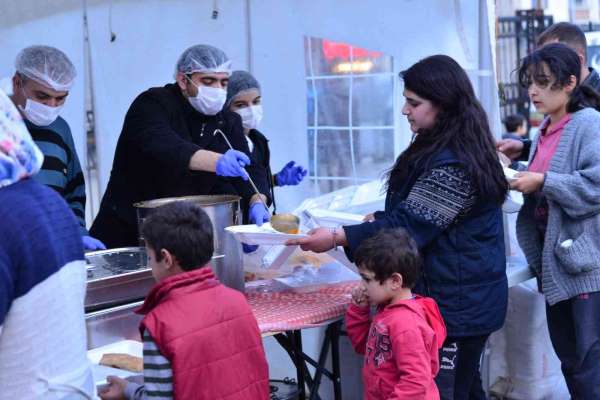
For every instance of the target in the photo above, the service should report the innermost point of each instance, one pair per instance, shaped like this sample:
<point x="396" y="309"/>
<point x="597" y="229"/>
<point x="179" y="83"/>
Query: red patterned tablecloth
<point x="284" y="311"/>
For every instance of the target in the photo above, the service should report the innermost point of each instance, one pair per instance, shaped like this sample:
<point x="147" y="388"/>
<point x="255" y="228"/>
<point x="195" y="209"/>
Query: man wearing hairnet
<point x="171" y="145"/>
<point x="42" y="81"/>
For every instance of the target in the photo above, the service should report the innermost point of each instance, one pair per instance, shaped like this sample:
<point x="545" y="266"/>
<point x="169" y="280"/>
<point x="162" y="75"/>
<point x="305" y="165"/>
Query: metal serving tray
<point x="116" y="276"/>
<point x="112" y="325"/>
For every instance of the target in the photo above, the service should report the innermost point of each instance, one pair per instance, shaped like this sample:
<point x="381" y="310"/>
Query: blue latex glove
<point x="232" y="163"/>
<point x="90" y="243"/>
<point x="291" y="174"/>
<point x="259" y="214"/>
<point x="249" y="248"/>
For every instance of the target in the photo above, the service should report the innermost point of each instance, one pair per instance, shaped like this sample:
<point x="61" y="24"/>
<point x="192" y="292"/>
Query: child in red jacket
<point x="201" y="340"/>
<point x="401" y="342"/>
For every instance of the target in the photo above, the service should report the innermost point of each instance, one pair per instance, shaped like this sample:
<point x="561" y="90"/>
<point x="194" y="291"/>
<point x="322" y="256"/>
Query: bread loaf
<point x="123" y="361"/>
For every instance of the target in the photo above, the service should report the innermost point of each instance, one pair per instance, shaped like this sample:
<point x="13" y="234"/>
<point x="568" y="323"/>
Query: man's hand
<point x="232" y="164"/>
<point x="90" y="243"/>
<point x="511" y="148"/>
<point x="115" y="390"/>
<point x="527" y="182"/>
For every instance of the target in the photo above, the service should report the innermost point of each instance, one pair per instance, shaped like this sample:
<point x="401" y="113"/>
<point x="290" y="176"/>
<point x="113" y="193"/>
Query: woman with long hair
<point x="559" y="224"/>
<point x="446" y="189"/>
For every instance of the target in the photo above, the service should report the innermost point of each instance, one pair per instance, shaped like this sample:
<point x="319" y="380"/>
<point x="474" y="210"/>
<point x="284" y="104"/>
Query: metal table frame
<point x="291" y="341"/>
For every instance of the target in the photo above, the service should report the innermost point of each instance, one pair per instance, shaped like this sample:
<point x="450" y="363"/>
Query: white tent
<point x="265" y="37"/>
<point x="133" y="45"/>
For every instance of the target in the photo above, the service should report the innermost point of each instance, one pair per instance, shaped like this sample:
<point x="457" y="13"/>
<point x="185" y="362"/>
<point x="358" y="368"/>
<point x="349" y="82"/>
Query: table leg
<point x="292" y="343"/>
<point x="335" y="359"/>
<point x="299" y="361"/>
<point x="286" y="341"/>
<point x="320" y="367"/>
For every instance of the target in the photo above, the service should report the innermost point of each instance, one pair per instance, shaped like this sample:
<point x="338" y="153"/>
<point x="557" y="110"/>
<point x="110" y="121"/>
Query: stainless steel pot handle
<point x="237" y="215"/>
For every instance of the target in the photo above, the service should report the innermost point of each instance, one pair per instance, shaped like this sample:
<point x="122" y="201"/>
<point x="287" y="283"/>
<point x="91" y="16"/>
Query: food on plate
<point x="286" y="223"/>
<point x="249" y="276"/>
<point x="123" y="361"/>
<point x="309" y="258"/>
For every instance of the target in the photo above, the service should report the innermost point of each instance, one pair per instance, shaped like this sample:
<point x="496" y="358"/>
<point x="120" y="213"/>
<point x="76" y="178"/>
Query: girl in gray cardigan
<point x="558" y="226"/>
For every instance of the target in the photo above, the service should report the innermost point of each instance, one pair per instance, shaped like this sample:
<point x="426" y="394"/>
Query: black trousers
<point x="459" y="377"/>
<point x="574" y="327"/>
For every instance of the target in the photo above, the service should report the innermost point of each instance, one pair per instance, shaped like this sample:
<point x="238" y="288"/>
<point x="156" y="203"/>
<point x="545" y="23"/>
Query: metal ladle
<point x="249" y="178"/>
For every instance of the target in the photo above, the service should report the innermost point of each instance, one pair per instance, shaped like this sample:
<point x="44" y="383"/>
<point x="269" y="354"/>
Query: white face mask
<point x="40" y="114"/>
<point x="251" y="116"/>
<point x="209" y="100"/>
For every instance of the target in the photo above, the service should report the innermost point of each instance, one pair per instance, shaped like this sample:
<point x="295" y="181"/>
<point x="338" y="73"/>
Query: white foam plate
<point x="513" y="202"/>
<point x="329" y="218"/>
<point x="510" y="173"/>
<point x="261" y="235"/>
<point x="100" y="372"/>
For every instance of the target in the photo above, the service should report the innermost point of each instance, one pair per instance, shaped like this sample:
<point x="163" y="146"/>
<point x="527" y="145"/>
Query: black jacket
<point x="259" y="156"/>
<point x="160" y="134"/>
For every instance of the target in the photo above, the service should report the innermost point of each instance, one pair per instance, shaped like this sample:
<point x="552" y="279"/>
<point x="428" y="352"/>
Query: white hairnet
<point x="46" y="65"/>
<point x="240" y="82"/>
<point x="203" y="58"/>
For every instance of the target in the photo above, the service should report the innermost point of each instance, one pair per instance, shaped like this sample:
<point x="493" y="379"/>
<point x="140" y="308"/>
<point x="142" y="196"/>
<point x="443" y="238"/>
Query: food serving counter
<point x="119" y="279"/>
<point x="117" y="282"/>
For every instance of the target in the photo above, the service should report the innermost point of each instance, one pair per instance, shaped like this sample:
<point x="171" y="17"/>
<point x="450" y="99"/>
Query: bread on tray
<point x="123" y="361"/>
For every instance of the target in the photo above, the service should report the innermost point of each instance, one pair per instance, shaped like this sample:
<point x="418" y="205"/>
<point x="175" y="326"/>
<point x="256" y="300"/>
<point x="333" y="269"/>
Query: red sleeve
<point x="414" y="366"/>
<point x="358" y="322"/>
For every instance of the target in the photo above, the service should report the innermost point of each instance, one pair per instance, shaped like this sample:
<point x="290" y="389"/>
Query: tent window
<point x="350" y="113"/>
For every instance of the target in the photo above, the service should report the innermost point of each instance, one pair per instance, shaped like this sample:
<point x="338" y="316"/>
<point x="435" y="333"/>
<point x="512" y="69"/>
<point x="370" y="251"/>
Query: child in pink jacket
<point x="401" y="341"/>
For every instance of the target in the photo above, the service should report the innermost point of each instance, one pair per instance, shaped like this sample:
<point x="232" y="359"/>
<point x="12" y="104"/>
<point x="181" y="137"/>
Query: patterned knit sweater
<point x="568" y="258"/>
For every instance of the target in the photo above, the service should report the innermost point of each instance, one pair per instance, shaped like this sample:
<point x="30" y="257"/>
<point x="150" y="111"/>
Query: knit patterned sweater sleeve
<point x="437" y="199"/>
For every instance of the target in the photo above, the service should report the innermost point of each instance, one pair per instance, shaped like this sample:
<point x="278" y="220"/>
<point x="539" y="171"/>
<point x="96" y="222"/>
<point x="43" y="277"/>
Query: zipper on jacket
<point x="202" y="129"/>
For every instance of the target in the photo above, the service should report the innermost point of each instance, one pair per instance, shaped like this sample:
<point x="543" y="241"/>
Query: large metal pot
<point x="223" y="211"/>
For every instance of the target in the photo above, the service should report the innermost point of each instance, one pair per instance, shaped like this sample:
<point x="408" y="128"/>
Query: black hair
<point x="390" y="251"/>
<point x="563" y="63"/>
<point x="564" y="32"/>
<point x="461" y="126"/>
<point x="513" y="122"/>
<point x="183" y="229"/>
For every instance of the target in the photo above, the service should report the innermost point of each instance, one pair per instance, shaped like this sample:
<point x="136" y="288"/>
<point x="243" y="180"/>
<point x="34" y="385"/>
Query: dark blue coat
<point x="464" y="264"/>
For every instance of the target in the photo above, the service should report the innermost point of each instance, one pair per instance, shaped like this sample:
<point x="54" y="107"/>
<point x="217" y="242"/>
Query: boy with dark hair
<point x="515" y="126"/>
<point x="201" y="340"/>
<point x="401" y="342"/>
